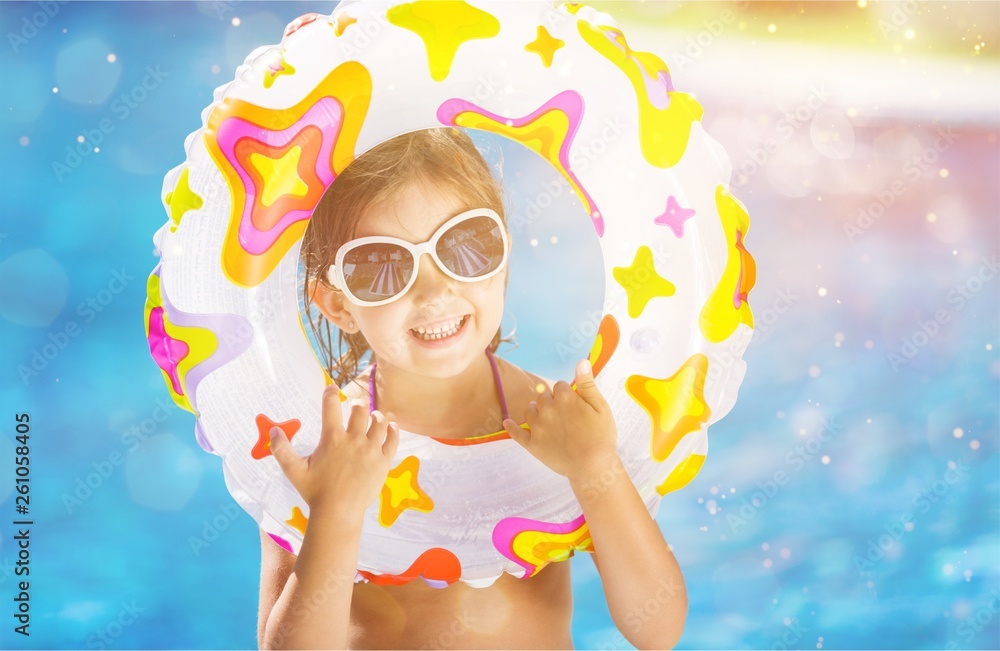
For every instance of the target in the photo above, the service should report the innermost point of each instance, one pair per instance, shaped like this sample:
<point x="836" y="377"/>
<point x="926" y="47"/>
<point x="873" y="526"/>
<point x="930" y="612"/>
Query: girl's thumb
<point x="281" y="450"/>
<point x="586" y="388"/>
<point x="517" y="433"/>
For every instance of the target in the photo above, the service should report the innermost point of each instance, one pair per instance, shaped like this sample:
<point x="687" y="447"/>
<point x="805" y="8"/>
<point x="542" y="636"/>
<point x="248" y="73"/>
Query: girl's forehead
<point x="414" y="215"/>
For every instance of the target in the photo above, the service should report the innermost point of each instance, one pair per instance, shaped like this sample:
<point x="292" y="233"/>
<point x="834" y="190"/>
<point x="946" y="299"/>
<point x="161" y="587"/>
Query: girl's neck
<point x="444" y="407"/>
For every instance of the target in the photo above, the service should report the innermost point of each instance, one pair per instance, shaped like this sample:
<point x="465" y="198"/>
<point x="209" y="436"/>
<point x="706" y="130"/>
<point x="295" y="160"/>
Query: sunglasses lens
<point x="473" y="247"/>
<point x="375" y="272"/>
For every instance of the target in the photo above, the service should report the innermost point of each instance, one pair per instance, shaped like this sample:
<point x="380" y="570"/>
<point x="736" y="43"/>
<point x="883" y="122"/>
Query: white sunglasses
<point x="376" y="270"/>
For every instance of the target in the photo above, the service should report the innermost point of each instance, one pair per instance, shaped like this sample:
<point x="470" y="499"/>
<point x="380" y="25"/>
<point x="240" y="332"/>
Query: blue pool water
<point x="849" y="500"/>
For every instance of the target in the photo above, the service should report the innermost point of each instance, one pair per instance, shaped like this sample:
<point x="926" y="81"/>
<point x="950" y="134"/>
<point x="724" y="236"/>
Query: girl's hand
<point x="349" y="465"/>
<point x="573" y="433"/>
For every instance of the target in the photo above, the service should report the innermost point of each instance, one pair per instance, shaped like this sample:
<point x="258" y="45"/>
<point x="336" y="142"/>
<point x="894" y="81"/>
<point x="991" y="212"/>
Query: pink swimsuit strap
<point x="496" y="381"/>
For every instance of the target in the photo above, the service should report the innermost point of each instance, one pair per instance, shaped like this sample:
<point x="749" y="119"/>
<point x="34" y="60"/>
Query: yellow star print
<point x="443" y="25"/>
<point x="182" y="199"/>
<point x="401" y="491"/>
<point x="545" y="46"/>
<point x="641" y="282"/>
<point x="281" y="175"/>
<point x="676" y="405"/>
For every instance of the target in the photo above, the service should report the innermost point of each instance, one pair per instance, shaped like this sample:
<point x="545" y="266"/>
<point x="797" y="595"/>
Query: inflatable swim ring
<point x="222" y="314"/>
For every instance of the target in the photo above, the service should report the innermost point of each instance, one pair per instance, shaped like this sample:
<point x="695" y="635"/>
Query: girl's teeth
<point x="439" y="332"/>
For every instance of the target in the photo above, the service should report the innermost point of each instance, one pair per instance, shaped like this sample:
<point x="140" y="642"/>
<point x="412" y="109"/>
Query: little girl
<point x="432" y="324"/>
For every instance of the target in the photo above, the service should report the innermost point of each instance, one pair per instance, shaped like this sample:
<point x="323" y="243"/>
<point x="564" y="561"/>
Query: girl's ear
<point x="330" y="302"/>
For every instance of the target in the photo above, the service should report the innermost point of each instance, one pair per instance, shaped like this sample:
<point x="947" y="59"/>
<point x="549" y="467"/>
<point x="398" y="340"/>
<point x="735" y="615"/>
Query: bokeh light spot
<point x="832" y="134"/>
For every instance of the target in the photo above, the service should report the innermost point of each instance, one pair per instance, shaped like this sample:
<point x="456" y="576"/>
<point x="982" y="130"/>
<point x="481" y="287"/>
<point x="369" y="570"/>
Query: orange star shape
<point x="545" y="45"/>
<point x="298" y="520"/>
<point x="262" y="448"/>
<point x="343" y="20"/>
<point x="676" y="405"/>
<point x="401" y="491"/>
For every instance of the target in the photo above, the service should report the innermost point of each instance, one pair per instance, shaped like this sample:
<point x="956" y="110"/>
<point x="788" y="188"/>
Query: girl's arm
<point x="276" y="566"/>
<point x="574" y="434"/>
<point x="642" y="580"/>
<point x="314" y="608"/>
<point x="338" y="481"/>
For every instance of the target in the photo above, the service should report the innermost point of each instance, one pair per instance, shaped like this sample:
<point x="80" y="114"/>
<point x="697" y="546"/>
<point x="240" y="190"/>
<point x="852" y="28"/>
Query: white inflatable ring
<point x="222" y="314"/>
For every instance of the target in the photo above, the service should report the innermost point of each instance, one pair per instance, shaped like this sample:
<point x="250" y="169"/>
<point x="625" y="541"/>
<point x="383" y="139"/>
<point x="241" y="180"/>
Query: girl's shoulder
<point x="518" y="375"/>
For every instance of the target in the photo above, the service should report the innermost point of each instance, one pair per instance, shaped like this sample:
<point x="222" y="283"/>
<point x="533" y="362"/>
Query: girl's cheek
<point x="489" y="285"/>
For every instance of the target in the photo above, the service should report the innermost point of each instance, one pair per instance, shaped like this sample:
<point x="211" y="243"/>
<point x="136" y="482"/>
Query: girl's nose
<point x="431" y="281"/>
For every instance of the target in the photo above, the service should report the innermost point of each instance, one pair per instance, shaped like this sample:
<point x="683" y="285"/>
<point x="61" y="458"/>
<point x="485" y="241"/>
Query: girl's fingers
<point x="520" y="435"/>
<point x="561" y="387"/>
<point x="333" y="418"/>
<point x="391" y="441"/>
<point x="358" y="421"/>
<point x="586" y="387"/>
<point x="282" y="451"/>
<point x="376" y="430"/>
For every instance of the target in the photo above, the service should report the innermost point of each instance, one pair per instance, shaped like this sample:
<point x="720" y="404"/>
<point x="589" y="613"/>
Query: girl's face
<point x="434" y="301"/>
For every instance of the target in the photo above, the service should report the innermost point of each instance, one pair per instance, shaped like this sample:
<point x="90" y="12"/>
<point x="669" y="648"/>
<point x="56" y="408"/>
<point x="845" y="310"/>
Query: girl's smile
<point x="442" y="333"/>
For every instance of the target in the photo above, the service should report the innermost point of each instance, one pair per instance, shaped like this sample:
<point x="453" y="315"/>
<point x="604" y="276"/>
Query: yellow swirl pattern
<point x="663" y="132"/>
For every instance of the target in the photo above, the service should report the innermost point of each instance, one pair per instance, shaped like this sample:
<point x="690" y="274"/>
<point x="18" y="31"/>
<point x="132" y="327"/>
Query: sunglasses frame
<point x="335" y="273"/>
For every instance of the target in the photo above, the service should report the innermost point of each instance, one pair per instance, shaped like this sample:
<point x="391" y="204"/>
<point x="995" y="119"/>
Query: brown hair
<point x="443" y="157"/>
